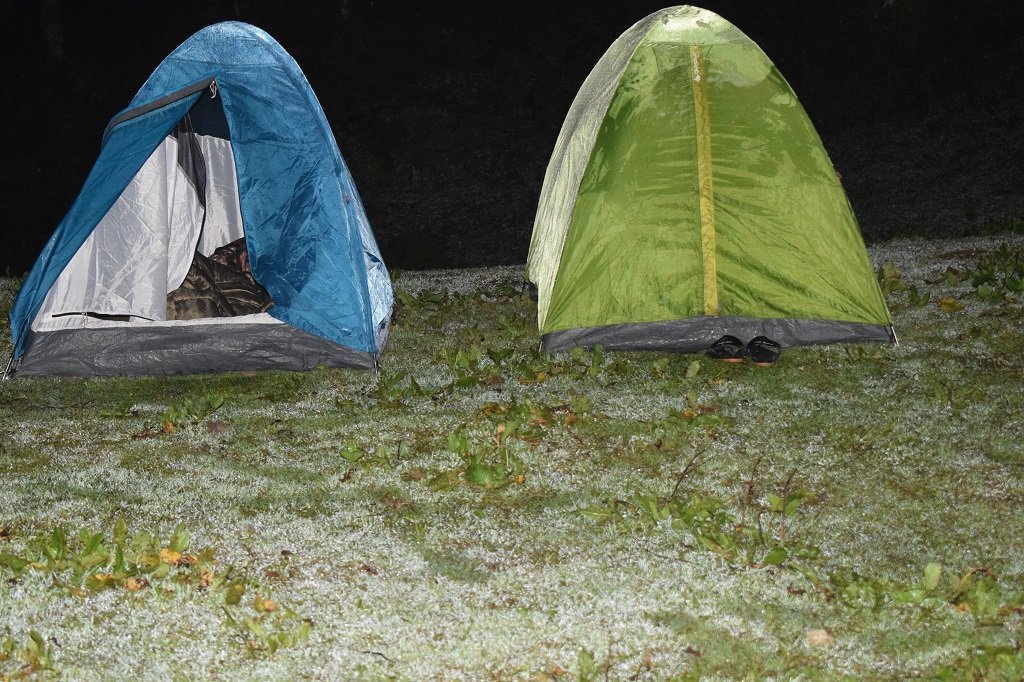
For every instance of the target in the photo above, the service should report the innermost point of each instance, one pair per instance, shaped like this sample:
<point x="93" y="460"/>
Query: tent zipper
<point x="158" y="103"/>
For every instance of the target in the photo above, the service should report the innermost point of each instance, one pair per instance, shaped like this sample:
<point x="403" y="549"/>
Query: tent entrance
<point x="172" y="245"/>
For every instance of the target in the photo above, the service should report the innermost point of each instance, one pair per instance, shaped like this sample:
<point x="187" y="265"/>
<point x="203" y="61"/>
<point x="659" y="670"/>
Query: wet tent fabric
<point x="309" y="242"/>
<point x="689" y="196"/>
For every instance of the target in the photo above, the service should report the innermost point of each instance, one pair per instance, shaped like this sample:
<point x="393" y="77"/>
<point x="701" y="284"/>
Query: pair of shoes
<point x="761" y="350"/>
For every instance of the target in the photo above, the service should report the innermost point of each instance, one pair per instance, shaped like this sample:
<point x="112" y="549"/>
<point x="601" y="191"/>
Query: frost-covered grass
<point x="479" y="510"/>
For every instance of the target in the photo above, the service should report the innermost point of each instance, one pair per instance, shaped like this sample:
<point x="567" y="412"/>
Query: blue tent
<point x="224" y="141"/>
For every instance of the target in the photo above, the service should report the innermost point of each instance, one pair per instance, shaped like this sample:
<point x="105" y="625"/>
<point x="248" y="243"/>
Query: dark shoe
<point x="762" y="351"/>
<point x="727" y="349"/>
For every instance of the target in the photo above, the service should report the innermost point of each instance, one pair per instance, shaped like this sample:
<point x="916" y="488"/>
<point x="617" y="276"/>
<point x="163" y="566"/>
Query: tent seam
<point x="705" y="181"/>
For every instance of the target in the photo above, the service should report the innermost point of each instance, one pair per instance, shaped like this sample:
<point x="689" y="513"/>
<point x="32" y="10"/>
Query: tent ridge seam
<point x="705" y="181"/>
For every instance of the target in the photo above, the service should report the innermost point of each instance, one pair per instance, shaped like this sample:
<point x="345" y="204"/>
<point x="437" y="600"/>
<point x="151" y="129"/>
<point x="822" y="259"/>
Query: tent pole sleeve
<point x="705" y="180"/>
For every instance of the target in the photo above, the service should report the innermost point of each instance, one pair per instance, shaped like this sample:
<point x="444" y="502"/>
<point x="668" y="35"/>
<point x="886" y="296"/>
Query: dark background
<point x="446" y="112"/>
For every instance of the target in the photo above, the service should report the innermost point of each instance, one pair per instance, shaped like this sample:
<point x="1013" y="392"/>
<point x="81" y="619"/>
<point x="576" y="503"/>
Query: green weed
<point x="394" y="389"/>
<point x="489" y="466"/>
<point x="187" y="411"/>
<point x="987" y="662"/>
<point x="424" y="298"/>
<point x="470" y="369"/>
<point x="27" y="658"/>
<point x="90" y="562"/>
<point x="890" y="278"/>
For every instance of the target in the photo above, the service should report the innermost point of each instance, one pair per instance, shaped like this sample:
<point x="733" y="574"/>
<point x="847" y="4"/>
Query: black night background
<point x="446" y="112"/>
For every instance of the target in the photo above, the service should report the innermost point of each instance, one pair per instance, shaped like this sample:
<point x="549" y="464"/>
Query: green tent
<point x="688" y="197"/>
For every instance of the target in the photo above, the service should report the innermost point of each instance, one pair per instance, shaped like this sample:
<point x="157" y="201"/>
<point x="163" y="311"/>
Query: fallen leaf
<point x="233" y="597"/>
<point x="819" y="637"/>
<point x="206" y="579"/>
<point x="217" y="427"/>
<point x="949" y="305"/>
<point x="136" y="584"/>
<point x="395" y="503"/>
<point x="105" y="578"/>
<point x="264" y="605"/>
<point x="169" y="556"/>
<point x="445" y="480"/>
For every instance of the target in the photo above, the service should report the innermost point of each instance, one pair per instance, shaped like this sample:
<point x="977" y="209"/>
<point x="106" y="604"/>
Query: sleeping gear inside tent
<point x="220" y="285"/>
<point x="219" y="229"/>
<point x="689" y="197"/>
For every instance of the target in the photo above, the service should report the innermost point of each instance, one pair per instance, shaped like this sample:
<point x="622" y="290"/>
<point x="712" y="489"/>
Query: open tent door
<point x="154" y="255"/>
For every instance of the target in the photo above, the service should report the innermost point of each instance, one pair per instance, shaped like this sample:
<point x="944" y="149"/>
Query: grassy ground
<point x="479" y="510"/>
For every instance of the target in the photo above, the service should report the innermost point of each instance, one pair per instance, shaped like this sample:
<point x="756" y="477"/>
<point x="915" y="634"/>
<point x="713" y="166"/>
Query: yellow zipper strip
<point x="704" y="180"/>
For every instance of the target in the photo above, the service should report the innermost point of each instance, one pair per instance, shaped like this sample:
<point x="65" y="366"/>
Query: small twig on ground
<point x="608" y="663"/>
<point x="785" y="496"/>
<point x="750" y="492"/>
<point x="374" y="653"/>
<point x="691" y="466"/>
<point x="665" y="557"/>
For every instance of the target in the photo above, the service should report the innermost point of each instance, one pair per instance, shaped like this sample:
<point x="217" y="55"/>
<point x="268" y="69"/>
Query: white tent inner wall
<point x="142" y="248"/>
